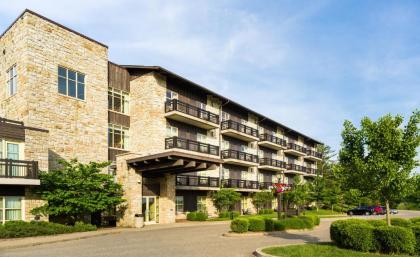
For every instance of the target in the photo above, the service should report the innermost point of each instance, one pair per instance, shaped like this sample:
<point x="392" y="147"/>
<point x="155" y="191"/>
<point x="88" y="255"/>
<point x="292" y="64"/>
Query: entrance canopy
<point x="173" y="162"/>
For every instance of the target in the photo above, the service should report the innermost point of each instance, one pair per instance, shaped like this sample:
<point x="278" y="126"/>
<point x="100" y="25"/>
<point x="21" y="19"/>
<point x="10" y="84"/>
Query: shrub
<point x="416" y="232"/>
<point x="395" y="239"/>
<point x="256" y="224"/>
<point x="279" y="226"/>
<point x="415" y="220"/>
<point x="266" y="211"/>
<point x="297" y="223"/>
<point x="201" y="216"/>
<point x="269" y="224"/>
<point x="229" y="214"/>
<point x="239" y="225"/>
<point x="377" y="223"/>
<point x="224" y="214"/>
<point x="359" y="237"/>
<point x="316" y="219"/>
<point x="192" y="216"/>
<point x="14" y="229"/>
<point x="401" y="222"/>
<point x="337" y="228"/>
<point x="309" y="222"/>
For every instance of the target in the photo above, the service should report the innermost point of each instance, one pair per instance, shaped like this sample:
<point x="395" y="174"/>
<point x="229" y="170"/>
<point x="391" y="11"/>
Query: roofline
<point x="53" y="22"/>
<point x="163" y="70"/>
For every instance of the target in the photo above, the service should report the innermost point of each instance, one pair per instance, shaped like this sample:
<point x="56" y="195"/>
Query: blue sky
<point x="307" y="64"/>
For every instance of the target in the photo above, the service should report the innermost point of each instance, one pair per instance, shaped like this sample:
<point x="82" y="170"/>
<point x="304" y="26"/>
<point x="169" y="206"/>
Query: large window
<point x="201" y="204"/>
<point x="10" y="208"/>
<point x="118" y="101"/>
<point x="71" y="83"/>
<point x="179" y="204"/>
<point x="12" y="80"/>
<point x="118" y="137"/>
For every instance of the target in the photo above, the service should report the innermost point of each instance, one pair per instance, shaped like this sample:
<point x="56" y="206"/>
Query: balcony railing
<point x="240" y="183"/>
<point x="176" y="105"/>
<point x="314" y="153"/>
<point x="273" y="163"/>
<point x="273" y="139"/>
<point x="295" y="167"/>
<point x="311" y="170"/>
<point x="196" y="181"/>
<point x="230" y="124"/>
<point x="18" y="169"/>
<point x="293" y="146"/>
<point x="266" y="185"/>
<point x="242" y="156"/>
<point x="190" y="145"/>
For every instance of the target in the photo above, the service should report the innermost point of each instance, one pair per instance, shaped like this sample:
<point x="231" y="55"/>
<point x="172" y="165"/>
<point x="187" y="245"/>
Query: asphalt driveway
<point x="202" y="239"/>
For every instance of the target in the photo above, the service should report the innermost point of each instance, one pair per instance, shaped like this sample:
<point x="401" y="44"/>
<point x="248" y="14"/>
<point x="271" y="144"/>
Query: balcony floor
<point x="191" y="120"/>
<point x="239" y="135"/>
<point x="271" y="145"/>
<point x="20" y="181"/>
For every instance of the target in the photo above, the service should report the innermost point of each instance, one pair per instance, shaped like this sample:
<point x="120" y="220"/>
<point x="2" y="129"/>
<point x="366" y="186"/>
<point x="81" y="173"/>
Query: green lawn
<point x="323" y="212"/>
<point x="319" y="250"/>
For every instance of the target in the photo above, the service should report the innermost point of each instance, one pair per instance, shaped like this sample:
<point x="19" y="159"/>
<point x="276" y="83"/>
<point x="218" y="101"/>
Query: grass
<point x="319" y="250"/>
<point x="322" y="212"/>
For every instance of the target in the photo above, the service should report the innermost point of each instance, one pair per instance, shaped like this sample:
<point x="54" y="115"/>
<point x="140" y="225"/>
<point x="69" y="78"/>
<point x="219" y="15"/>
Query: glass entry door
<point x="150" y="209"/>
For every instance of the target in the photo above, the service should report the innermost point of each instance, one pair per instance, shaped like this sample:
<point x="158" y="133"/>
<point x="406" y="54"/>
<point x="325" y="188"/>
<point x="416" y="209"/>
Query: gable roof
<point x="53" y="22"/>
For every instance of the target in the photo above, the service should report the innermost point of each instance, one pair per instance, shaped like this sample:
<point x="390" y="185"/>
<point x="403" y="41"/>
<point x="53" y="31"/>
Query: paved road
<point x="176" y="240"/>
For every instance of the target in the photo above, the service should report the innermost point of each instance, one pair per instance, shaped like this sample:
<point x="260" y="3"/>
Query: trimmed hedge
<point x="308" y="221"/>
<point x="316" y="219"/>
<point x="266" y="211"/>
<point x="229" y="214"/>
<point x="239" y="225"/>
<point x="395" y="239"/>
<point x="256" y="224"/>
<point x="415" y="220"/>
<point x="269" y="224"/>
<point x="14" y="229"/>
<point x="279" y="226"/>
<point x="197" y="216"/>
<point x="297" y="223"/>
<point x="337" y="229"/>
<point x="359" y="237"/>
<point x="416" y="232"/>
<point x="401" y="222"/>
<point x="377" y="223"/>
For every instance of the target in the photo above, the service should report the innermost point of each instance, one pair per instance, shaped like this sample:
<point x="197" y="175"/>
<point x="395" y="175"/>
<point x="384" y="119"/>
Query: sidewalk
<point x="38" y="240"/>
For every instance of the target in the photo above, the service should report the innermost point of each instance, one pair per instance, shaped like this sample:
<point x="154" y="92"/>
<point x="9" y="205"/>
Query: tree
<point x="225" y="199"/>
<point x="261" y="199"/>
<point x="299" y="195"/>
<point x="78" y="189"/>
<point x="378" y="158"/>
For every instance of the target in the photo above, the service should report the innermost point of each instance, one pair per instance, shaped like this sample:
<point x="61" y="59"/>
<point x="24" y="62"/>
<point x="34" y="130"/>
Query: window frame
<point x="124" y="97"/>
<point x="11" y="82"/>
<point x="75" y="80"/>
<point x="177" y="204"/>
<point x="124" y="137"/>
<point x="3" y="208"/>
<point x="201" y="201"/>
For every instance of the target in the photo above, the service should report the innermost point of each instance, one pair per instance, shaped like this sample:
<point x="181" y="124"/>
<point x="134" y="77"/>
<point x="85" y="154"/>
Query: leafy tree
<point x="299" y="195"/>
<point x="78" y="189"/>
<point x="261" y="199"/>
<point x="225" y="199"/>
<point x="378" y="158"/>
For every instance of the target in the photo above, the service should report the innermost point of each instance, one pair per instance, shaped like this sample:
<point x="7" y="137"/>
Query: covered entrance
<point x="150" y="209"/>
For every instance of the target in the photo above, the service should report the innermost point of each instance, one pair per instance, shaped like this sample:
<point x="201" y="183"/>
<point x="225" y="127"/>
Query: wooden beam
<point x="202" y="166"/>
<point x="190" y="164"/>
<point x="166" y="165"/>
<point x="212" y="167"/>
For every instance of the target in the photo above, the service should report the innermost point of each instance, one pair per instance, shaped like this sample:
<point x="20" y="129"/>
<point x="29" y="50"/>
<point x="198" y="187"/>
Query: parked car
<point x="391" y="211"/>
<point x="363" y="210"/>
<point x="378" y="210"/>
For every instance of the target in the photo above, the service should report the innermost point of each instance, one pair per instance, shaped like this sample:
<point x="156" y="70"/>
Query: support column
<point x="167" y="199"/>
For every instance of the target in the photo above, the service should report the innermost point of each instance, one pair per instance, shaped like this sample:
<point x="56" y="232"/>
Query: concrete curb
<point x="41" y="240"/>
<point x="272" y="233"/>
<point x="259" y="253"/>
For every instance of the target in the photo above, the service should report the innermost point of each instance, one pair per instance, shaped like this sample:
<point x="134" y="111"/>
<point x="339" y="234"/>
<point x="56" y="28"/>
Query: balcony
<point x="295" y="149"/>
<point x="311" y="172"/>
<point x="240" y="184"/>
<point x="266" y="185"/>
<point x="196" y="181"/>
<point x="239" y="158"/>
<point x="272" y="164"/>
<point x="240" y="131"/>
<point x="16" y="172"/>
<point x="190" y="145"/>
<point x="272" y="142"/>
<point x="186" y="113"/>
<point x="313" y="155"/>
<point x="295" y="169"/>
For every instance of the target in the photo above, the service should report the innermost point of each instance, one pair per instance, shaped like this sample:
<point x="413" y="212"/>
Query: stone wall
<point x="30" y="202"/>
<point x="167" y="199"/>
<point x="36" y="147"/>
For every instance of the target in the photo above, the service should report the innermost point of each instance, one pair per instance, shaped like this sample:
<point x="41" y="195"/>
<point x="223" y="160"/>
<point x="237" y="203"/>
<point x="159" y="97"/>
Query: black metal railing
<point x="273" y="163"/>
<point x="295" y="167"/>
<point x="230" y="124"/>
<point x="242" y="156"/>
<point x="240" y="183"/>
<point x="18" y="169"/>
<point x="265" y="185"/>
<point x="197" y="181"/>
<point x="293" y="146"/>
<point x="273" y="139"/>
<point x="190" y="145"/>
<point x="311" y="170"/>
<point x="176" y="105"/>
<point x="314" y="153"/>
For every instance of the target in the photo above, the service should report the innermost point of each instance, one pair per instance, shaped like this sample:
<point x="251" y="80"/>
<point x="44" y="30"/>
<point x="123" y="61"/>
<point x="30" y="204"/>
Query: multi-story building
<point x="172" y="142"/>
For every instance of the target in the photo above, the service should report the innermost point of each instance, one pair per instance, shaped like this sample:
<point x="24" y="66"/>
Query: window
<point x="171" y="131"/>
<point x="71" y="83"/>
<point x="225" y="116"/>
<point x="201" y="137"/>
<point x="12" y="80"/>
<point x="179" y="204"/>
<point x="118" y="100"/>
<point x="201" y="204"/>
<point x="211" y="133"/>
<point x="118" y="137"/>
<point x="10" y="208"/>
<point x="171" y="95"/>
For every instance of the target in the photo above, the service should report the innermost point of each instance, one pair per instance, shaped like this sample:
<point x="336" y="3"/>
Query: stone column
<point x="167" y="199"/>
<point x="131" y="180"/>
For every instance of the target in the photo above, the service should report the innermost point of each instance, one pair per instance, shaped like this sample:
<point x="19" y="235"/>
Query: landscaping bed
<point x="319" y="250"/>
<point x="16" y="229"/>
